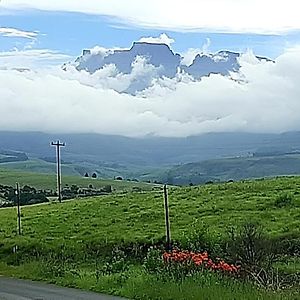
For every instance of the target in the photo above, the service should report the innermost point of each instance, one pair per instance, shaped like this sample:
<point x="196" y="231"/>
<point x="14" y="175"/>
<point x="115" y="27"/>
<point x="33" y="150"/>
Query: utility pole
<point x="167" y="220"/>
<point x="18" y="196"/>
<point x="58" y="145"/>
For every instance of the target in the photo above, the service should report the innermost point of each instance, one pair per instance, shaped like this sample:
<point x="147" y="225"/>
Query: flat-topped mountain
<point x="222" y="63"/>
<point x="158" y="55"/>
<point x="164" y="62"/>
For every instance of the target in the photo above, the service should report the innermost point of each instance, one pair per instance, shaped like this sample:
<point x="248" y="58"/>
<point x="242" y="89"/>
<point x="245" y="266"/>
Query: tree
<point x="107" y="189"/>
<point x="94" y="175"/>
<point x="86" y="175"/>
<point x="74" y="189"/>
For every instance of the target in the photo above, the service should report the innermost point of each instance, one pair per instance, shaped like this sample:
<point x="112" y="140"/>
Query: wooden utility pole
<point x="167" y="220"/>
<point x="18" y="196"/>
<point x="58" y="145"/>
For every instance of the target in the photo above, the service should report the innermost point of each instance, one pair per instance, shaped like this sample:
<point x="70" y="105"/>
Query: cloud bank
<point x="52" y="100"/>
<point x="271" y="17"/>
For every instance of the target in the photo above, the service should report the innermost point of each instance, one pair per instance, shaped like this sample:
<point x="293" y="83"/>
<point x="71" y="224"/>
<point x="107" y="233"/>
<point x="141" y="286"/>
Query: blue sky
<point x="70" y="32"/>
<point x="38" y="36"/>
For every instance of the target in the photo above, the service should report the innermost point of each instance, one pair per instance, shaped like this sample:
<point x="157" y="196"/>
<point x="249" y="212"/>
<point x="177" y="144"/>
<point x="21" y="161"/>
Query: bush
<point x="283" y="200"/>
<point x="249" y="246"/>
<point x="153" y="262"/>
<point x="288" y="245"/>
<point x="107" y="189"/>
<point x="116" y="263"/>
<point x="257" y="256"/>
<point x="199" y="239"/>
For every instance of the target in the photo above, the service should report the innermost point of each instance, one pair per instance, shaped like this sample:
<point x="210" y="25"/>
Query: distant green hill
<point x="217" y="170"/>
<point x="222" y="170"/>
<point x="103" y="170"/>
<point x="148" y="151"/>
<point x="195" y="159"/>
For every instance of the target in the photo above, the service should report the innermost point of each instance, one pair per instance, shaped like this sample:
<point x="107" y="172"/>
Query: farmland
<point x="48" y="181"/>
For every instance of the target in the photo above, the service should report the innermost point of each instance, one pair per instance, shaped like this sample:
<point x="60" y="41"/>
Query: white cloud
<point x="189" y="56"/>
<point x="58" y="101"/>
<point x="162" y="39"/>
<point x="253" y="16"/>
<point x="191" y="53"/>
<point x="13" y="32"/>
<point x="109" y="77"/>
<point x="98" y="50"/>
<point x="31" y="58"/>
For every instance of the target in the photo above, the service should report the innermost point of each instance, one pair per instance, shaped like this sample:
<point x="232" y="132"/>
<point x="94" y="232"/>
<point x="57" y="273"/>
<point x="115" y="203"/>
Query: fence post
<point x="18" y="206"/>
<point x="167" y="219"/>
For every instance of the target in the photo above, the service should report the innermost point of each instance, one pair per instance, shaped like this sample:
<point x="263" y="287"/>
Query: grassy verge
<point x="136" y="283"/>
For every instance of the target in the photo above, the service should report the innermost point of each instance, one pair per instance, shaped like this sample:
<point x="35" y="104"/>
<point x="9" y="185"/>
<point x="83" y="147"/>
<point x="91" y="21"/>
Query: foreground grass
<point x="88" y="228"/>
<point x="136" y="283"/>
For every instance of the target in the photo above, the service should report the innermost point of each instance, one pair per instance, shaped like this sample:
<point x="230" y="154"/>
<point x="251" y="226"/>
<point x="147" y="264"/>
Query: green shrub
<point x="153" y="262"/>
<point x="283" y="200"/>
<point x="249" y="246"/>
<point x="200" y="239"/>
<point x="116" y="263"/>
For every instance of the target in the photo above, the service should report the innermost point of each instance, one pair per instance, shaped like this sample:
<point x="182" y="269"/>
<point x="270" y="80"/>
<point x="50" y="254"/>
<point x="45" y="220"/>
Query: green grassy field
<point x="139" y="216"/>
<point x="76" y="228"/>
<point x="38" y="166"/>
<point x="48" y="181"/>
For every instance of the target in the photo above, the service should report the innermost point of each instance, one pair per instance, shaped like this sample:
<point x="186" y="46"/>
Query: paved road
<point x="14" y="289"/>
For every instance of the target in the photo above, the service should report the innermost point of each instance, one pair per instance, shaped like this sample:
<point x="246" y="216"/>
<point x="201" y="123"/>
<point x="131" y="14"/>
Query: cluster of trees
<point x="28" y="195"/>
<point x="94" y="175"/>
<point x="74" y="191"/>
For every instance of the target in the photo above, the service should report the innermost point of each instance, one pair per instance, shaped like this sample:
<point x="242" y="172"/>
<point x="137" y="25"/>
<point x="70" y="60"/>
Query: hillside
<point x="101" y="243"/>
<point x="136" y="216"/>
<point x="152" y="157"/>
<point x="48" y="181"/>
<point x="222" y="170"/>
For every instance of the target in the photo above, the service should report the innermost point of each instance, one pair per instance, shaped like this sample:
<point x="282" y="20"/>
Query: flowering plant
<point x="198" y="259"/>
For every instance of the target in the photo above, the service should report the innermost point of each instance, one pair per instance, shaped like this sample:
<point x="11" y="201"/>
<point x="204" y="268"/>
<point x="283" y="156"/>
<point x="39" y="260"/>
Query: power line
<point x="58" y="145"/>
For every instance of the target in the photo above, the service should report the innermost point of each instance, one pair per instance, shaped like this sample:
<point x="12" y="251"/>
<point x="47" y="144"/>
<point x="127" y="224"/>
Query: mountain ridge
<point x="165" y="62"/>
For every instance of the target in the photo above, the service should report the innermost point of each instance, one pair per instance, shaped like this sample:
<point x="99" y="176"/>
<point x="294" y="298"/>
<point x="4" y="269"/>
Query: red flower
<point x="198" y="259"/>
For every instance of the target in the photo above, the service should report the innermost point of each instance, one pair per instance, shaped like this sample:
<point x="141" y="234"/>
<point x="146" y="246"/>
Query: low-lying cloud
<point x="262" y="97"/>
